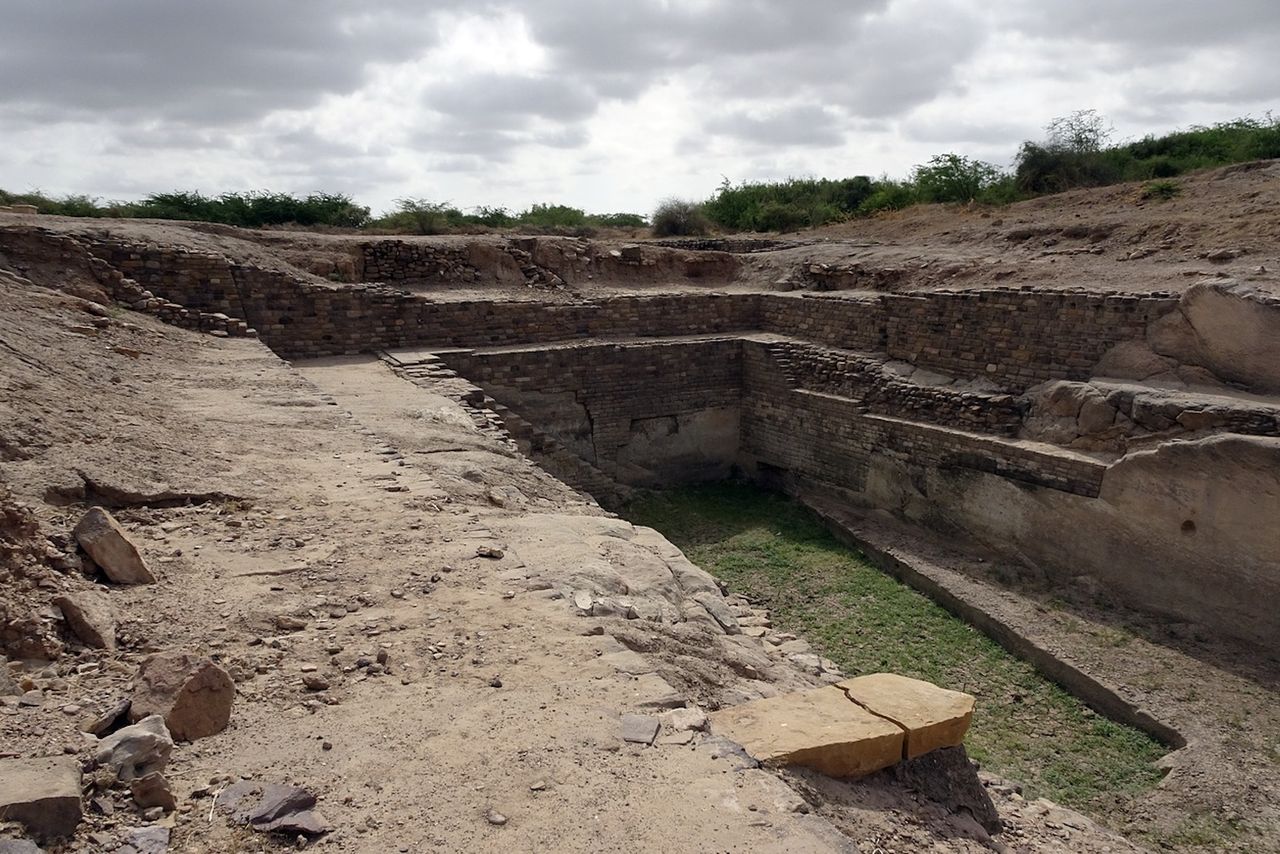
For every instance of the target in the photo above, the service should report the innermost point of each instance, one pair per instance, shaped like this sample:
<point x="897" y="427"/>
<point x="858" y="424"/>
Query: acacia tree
<point x="953" y="178"/>
<point x="1080" y="132"/>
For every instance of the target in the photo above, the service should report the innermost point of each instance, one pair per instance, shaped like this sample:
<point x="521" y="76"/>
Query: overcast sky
<point x="607" y="105"/>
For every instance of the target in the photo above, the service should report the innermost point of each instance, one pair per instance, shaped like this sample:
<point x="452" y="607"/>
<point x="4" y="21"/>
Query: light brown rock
<point x="820" y="729"/>
<point x="41" y="794"/>
<point x="932" y="717"/>
<point x="101" y="536"/>
<point x="193" y="694"/>
<point x="90" y="617"/>
<point x="153" y="791"/>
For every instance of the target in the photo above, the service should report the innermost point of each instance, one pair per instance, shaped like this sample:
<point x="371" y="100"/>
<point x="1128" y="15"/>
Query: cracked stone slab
<point x="932" y="717"/>
<point x="820" y="729"/>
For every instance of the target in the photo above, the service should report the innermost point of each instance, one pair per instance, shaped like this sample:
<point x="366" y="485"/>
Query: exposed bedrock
<point x="1221" y="330"/>
<point x="1186" y="529"/>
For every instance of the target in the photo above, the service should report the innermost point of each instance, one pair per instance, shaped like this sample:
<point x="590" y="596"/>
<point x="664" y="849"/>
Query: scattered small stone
<point x="538" y="786"/>
<point x="639" y="729"/>
<point x="315" y="682"/>
<point x="289" y="623"/>
<point x="192" y="693"/>
<point x="495" y="682"/>
<point x="495" y="818"/>
<point x="153" y="791"/>
<point x="146" y="840"/>
<point x="90" y="618"/>
<point x="137" y="750"/>
<point x="491" y="552"/>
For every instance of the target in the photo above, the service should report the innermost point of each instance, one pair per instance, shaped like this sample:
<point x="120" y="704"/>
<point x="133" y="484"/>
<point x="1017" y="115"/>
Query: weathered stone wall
<point x="1013" y="337"/>
<point x="645" y="413"/>
<point x="196" y="280"/>
<point x="865" y="379"/>
<point x="833" y="439"/>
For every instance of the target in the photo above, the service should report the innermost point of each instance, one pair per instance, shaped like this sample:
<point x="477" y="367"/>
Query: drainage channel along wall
<point x="982" y="414"/>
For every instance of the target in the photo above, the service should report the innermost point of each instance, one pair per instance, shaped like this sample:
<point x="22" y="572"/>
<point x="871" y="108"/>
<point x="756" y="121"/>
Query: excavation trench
<point x="640" y="424"/>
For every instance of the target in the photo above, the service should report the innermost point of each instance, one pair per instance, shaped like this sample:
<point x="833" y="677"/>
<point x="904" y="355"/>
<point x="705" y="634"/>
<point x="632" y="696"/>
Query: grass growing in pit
<point x="774" y="551"/>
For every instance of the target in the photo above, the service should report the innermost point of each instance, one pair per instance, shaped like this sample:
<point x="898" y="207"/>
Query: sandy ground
<point x="356" y="503"/>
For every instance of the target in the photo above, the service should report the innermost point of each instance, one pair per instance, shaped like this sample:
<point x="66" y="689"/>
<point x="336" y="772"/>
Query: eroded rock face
<point x="43" y="795"/>
<point x="947" y="777"/>
<point x="101" y="536"/>
<point x="1227" y="327"/>
<point x="191" y="693"/>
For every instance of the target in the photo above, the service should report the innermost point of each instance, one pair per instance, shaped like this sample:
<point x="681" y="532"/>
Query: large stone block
<point x="820" y="729"/>
<point x="43" y="795"/>
<point x="101" y="536"/>
<point x="90" y="617"/>
<point x="932" y="717"/>
<point x="193" y="694"/>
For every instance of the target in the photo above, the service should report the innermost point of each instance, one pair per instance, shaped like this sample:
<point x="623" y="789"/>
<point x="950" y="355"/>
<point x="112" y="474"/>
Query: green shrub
<point x="953" y="178"/>
<point x="679" y="218"/>
<point x="553" y="216"/>
<point x="1161" y="190"/>
<point x="889" y="196"/>
<point x="618" y="220"/>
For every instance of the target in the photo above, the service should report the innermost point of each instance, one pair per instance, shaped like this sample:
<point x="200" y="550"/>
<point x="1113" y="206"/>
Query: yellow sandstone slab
<point x="933" y="717"/>
<point x="820" y="729"/>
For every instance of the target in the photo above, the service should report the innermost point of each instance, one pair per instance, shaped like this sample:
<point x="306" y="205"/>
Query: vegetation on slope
<point x="1076" y="152"/>
<point x="774" y="551"/>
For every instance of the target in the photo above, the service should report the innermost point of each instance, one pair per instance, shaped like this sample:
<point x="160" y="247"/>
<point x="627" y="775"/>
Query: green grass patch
<point x="774" y="551"/>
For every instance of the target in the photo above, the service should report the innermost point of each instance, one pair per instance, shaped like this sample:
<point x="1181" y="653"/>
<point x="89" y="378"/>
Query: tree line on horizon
<point x="1076" y="153"/>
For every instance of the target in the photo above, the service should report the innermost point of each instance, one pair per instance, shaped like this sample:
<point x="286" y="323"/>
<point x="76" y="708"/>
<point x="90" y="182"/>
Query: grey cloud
<point x="503" y="100"/>
<point x="216" y="62"/>
<point x="626" y="46"/>
<point x="1155" y="25"/>
<point x="959" y="130"/>
<point x="805" y="125"/>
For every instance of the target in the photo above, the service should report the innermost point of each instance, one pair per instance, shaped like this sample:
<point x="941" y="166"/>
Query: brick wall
<point x="831" y="439"/>
<point x="1013" y="337"/>
<point x="616" y="384"/>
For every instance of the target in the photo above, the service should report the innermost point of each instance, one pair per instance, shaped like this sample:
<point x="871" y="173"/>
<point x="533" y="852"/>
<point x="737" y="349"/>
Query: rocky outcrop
<point x="1228" y="327"/>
